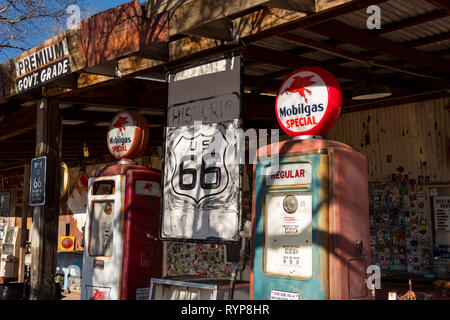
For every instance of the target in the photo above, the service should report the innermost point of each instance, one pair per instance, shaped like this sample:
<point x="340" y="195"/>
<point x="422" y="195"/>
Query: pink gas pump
<point x="311" y="209"/>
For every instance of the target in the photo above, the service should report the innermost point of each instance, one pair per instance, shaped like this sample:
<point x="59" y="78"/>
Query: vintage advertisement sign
<point x="43" y="66"/>
<point x="441" y="213"/>
<point x="202" y="178"/>
<point x="37" y="181"/>
<point x="309" y="102"/>
<point x="128" y="134"/>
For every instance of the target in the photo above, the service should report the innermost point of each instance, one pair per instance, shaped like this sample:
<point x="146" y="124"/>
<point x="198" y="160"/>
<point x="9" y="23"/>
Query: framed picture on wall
<point x="4" y="204"/>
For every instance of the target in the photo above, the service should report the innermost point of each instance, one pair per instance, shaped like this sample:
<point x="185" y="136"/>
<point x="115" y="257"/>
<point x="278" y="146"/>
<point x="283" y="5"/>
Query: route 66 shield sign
<point x="198" y="175"/>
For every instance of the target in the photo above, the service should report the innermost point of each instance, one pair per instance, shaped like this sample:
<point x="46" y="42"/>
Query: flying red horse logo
<point x="120" y="124"/>
<point x="99" y="295"/>
<point x="299" y="85"/>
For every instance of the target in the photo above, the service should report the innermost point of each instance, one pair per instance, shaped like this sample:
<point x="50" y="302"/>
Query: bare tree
<point x="26" y="23"/>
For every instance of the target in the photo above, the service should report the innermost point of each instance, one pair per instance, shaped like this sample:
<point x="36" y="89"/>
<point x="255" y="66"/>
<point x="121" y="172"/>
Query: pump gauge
<point x="290" y="204"/>
<point x="108" y="208"/>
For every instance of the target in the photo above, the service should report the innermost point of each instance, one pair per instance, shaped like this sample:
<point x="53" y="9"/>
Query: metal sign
<point x="202" y="175"/>
<point x="37" y="181"/>
<point x="441" y="213"/>
<point x="43" y="66"/>
<point x="309" y="102"/>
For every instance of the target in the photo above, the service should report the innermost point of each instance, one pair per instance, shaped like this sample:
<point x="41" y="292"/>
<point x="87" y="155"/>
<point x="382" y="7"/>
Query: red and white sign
<point x="78" y="199"/>
<point x="309" y="102"/>
<point x="128" y="135"/>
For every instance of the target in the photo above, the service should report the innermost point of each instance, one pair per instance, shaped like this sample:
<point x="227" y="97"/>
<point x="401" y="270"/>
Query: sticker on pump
<point x="289" y="174"/>
<point x="308" y="102"/>
<point x="283" y="295"/>
<point x="148" y="188"/>
<point x="97" y="293"/>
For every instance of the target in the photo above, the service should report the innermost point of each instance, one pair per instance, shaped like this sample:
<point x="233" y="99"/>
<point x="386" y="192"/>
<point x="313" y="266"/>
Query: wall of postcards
<point x="400" y="227"/>
<point x="206" y="260"/>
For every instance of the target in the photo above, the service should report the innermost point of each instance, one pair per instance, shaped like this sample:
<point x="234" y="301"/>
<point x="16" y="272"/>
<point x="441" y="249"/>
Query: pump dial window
<point x="290" y="204"/>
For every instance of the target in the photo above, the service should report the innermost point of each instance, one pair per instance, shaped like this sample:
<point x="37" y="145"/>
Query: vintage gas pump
<point x="311" y="211"/>
<point x="122" y="251"/>
<point x="9" y="263"/>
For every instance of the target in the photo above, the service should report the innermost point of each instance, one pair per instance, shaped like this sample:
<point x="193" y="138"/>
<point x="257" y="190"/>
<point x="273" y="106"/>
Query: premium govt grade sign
<point x="43" y="66"/>
<point x="309" y="102"/>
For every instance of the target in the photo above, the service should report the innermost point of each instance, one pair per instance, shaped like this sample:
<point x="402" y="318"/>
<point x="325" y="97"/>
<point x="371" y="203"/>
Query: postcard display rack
<point x="400" y="228"/>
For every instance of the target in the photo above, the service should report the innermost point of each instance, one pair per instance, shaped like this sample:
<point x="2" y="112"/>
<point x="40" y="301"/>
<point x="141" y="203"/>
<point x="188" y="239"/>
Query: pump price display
<point x="288" y="234"/>
<point x="37" y="181"/>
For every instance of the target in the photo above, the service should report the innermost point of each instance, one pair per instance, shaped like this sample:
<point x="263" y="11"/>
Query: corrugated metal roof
<point x="275" y="43"/>
<point x="398" y="10"/>
<point x="391" y="11"/>
<point x="414" y="134"/>
<point x="262" y="69"/>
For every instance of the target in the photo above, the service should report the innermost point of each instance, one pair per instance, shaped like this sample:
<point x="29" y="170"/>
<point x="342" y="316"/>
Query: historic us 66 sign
<point x="309" y="102"/>
<point x="202" y="179"/>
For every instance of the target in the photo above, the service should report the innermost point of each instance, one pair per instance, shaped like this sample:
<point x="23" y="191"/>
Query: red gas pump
<point x="122" y="251"/>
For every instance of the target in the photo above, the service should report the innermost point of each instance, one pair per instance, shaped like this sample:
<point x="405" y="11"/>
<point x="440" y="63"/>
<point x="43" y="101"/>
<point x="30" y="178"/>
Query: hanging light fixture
<point x="367" y="89"/>
<point x="85" y="150"/>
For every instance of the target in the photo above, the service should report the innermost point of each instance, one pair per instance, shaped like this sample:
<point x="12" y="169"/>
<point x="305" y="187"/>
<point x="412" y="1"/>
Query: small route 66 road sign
<point x="37" y="181"/>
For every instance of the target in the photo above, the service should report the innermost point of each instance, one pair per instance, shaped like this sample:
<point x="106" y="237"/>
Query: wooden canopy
<point x="119" y="59"/>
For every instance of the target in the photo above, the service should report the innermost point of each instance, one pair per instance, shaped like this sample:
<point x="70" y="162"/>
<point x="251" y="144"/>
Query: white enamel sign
<point x="201" y="187"/>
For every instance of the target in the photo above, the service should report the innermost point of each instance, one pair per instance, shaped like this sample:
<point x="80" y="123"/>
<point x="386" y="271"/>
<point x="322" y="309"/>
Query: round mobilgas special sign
<point x="308" y="102"/>
<point x="128" y="135"/>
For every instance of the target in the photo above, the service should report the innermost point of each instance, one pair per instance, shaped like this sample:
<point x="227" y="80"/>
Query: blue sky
<point x="106" y="4"/>
<point x="89" y="6"/>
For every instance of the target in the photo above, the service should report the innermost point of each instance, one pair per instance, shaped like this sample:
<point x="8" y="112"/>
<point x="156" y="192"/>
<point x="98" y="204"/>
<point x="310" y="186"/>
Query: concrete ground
<point x="70" y="296"/>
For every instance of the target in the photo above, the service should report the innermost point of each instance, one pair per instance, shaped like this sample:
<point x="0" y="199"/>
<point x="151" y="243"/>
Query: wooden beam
<point x="354" y="56"/>
<point x="221" y="29"/>
<point x="262" y="24"/>
<point x="195" y="14"/>
<point x="307" y="6"/>
<point x="292" y="62"/>
<point x="44" y="239"/>
<point x="366" y="40"/>
<point x="95" y="116"/>
<point x="442" y="4"/>
<point x="413" y="21"/>
<point x="17" y="123"/>
<point x="135" y="93"/>
<point x="427" y="40"/>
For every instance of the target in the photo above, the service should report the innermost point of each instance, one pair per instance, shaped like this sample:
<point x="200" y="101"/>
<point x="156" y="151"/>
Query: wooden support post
<point x="44" y="239"/>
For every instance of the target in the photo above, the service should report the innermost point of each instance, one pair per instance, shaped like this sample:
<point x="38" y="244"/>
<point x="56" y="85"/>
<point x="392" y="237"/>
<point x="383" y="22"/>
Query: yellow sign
<point x="66" y="243"/>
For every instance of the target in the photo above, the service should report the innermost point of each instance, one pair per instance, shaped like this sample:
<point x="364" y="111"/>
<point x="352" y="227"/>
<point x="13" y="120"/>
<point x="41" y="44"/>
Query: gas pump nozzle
<point x="240" y="265"/>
